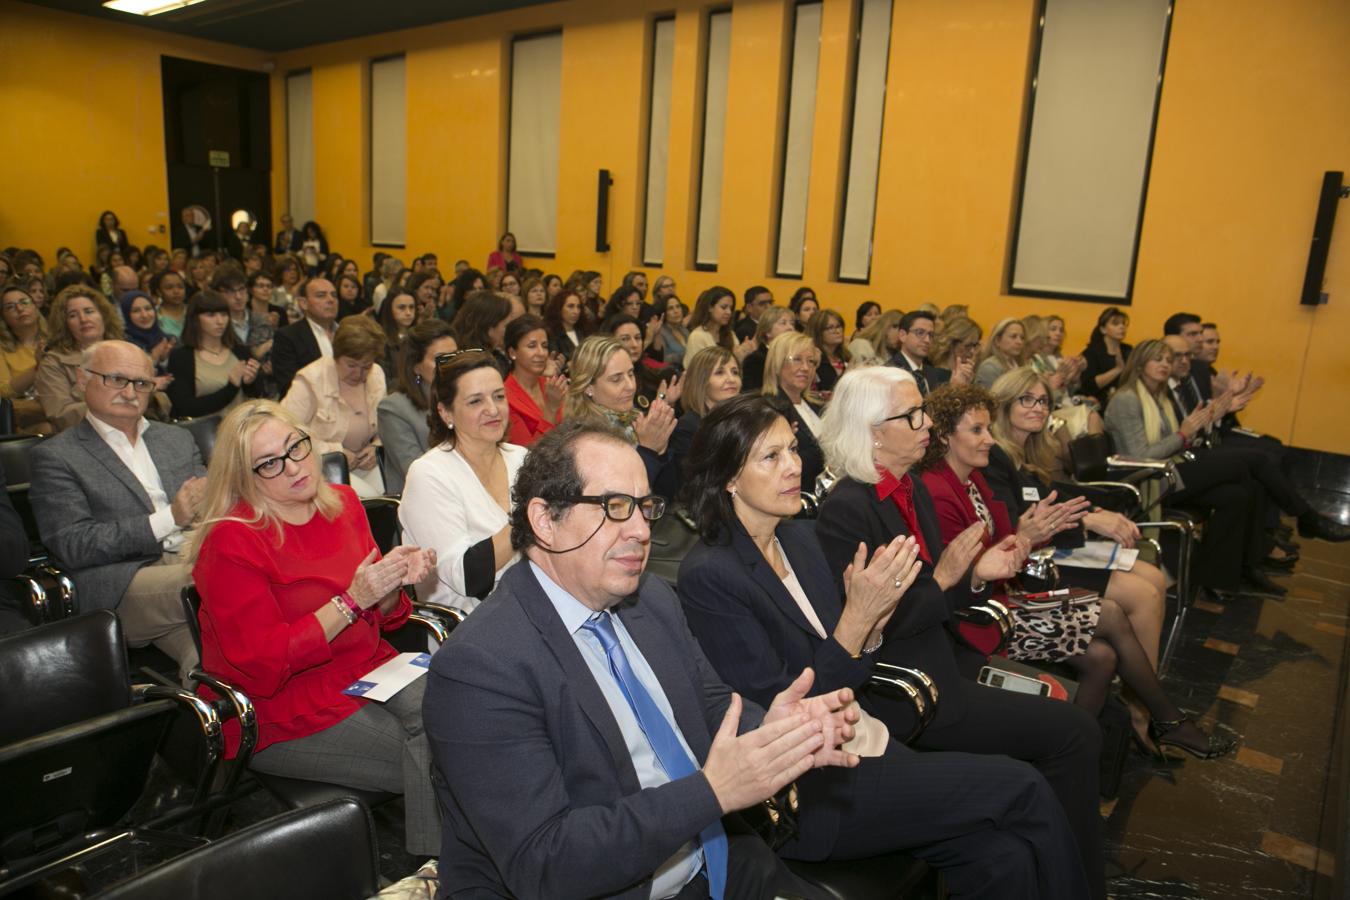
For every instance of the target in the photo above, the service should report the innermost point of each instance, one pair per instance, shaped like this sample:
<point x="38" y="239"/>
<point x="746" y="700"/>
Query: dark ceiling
<point x="277" y="25"/>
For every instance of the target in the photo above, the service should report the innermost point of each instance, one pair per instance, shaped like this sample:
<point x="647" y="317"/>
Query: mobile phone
<point x="1011" y="681"/>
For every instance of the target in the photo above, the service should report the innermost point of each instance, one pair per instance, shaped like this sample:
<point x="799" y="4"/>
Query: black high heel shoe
<point x="1217" y="746"/>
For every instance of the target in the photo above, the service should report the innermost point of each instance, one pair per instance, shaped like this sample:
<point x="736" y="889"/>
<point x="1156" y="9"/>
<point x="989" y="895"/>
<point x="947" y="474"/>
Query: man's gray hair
<point x="861" y="399"/>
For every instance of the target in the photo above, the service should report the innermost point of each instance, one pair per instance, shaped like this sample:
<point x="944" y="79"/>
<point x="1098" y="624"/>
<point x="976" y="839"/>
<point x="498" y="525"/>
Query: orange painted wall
<point x="85" y="126"/>
<point x="1254" y="110"/>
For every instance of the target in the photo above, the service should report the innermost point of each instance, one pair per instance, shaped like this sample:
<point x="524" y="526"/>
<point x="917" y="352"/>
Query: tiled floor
<point x="1272" y="672"/>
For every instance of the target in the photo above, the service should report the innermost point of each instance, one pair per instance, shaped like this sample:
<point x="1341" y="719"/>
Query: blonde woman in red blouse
<point x="295" y="597"/>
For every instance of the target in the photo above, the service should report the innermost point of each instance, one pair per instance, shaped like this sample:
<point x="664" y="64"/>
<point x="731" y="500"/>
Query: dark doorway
<point x="218" y="146"/>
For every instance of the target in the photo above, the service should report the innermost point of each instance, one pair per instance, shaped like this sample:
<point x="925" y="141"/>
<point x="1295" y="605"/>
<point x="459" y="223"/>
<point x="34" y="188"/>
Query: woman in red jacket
<point x="1094" y="638"/>
<point x="294" y="599"/>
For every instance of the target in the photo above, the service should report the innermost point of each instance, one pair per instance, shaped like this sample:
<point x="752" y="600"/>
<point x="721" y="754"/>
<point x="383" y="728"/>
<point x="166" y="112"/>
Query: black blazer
<point x="559" y="342"/>
<point x="928" y="377"/>
<point x="757" y="639"/>
<point x="182" y="391"/>
<point x="922" y="633"/>
<point x="530" y="766"/>
<point x="808" y="448"/>
<point x="671" y="478"/>
<point x="826" y="376"/>
<point x="1007" y="481"/>
<point x="117" y="241"/>
<point x="1099" y="361"/>
<point x="293" y="348"/>
<point x="752" y="370"/>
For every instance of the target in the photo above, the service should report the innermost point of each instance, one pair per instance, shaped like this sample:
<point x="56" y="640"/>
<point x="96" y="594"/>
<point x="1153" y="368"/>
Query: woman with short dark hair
<point x="764" y="604"/>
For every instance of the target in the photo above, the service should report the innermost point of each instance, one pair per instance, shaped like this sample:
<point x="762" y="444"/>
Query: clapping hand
<point x="670" y="392"/>
<point x="1048" y="518"/>
<point x="835" y="711"/>
<point x="874" y="589"/>
<point x="957" y="556"/>
<point x="1001" y="561"/>
<point x="655" y="428"/>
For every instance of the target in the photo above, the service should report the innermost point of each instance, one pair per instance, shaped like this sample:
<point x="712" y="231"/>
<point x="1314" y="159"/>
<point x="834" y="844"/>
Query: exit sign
<point x="219" y="158"/>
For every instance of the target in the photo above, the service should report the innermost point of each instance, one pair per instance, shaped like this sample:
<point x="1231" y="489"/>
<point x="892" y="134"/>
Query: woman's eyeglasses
<point x="620" y="507"/>
<point x="1031" y="401"/>
<point x="913" y="417"/>
<point x="275" y="465"/>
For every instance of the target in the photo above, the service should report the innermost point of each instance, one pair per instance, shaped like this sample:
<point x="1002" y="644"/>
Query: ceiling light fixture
<point x="148" y="7"/>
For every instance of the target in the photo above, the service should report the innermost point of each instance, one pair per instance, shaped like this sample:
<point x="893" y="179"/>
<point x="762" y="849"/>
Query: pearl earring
<point x="876" y="444"/>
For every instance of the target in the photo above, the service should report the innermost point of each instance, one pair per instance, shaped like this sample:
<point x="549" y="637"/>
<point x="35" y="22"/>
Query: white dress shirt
<point x="446" y="508"/>
<point x="323" y="337"/>
<point x="676" y="871"/>
<point x="136" y="457"/>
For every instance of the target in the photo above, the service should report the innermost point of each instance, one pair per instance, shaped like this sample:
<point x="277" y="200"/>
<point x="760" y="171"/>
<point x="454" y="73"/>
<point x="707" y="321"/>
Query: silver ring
<point x="660" y="396"/>
<point x="899" y="582"/>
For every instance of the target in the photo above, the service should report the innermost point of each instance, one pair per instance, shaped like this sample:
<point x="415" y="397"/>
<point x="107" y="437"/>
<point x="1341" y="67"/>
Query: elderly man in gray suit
<point x="112" y="497"/>
<point x="583" y="745"/>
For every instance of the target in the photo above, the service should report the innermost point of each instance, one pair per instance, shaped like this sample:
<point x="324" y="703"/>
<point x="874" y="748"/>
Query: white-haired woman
<point x="295" y="596"/>
<point x="875" y="430"/>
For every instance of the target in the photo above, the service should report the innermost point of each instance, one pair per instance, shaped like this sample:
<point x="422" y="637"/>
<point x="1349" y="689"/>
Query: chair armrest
<point x="1116" y="486"/>
<point x="39" y="610"/>
<point x="432" y="623"/>
<point x="1125" y="462"/>
<point x="904" y="684"/>
<point x="207" y="717"/>
<point x="65" y="589"/>
<point x="450" y="616"/>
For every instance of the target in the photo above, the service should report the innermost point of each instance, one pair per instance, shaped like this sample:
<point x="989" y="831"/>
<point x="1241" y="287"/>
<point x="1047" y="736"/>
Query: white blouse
<point x="446" y="508"/>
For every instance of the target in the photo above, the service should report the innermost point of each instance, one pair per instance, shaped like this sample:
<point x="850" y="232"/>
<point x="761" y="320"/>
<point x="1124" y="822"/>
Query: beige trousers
<point x="152" y="613"/>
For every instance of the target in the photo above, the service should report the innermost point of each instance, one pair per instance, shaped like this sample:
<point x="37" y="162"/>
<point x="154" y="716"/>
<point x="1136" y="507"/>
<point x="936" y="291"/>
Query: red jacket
<point x="955" y="512"/>
<point x="258" y="626"/>
<point x="528" y="422"/>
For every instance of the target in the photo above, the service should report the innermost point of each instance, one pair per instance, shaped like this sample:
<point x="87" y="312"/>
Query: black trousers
<point x="990" y="824"/>
<point x="1265" y="469"/>
<point x="1221" y="485"/>
<point x="1063" y="743"/>
<point x="753" y="873"/>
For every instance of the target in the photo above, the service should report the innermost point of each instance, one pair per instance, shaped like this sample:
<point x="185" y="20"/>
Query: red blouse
<point x="258" y="626"/>
<point x="528" y="422"/>
<point x="956" y="512"/>
<point x="901" y="492"/>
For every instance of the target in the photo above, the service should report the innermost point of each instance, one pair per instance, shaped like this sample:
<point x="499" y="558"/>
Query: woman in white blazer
<point x="336" y="400"/>
<point x="457" y="495"/>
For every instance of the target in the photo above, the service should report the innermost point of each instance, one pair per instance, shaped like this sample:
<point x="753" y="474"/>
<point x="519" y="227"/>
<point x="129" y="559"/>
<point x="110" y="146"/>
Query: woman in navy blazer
<point x="761" y="600"/>
<point x="876" y="429"/>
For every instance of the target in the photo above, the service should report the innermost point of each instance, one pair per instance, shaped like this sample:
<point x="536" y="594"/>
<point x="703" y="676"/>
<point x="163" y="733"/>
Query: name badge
<point x="1031" y="494"/>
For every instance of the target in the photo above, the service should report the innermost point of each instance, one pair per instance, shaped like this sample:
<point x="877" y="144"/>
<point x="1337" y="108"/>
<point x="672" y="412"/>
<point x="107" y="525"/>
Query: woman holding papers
<point x="1094" y="637"/>
<point x="295" y="597"/>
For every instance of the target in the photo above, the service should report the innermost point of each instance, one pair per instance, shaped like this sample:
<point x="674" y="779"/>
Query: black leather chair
<point x="50" y="592"/>
<point x="334" y="468"/>
<point x="323" y="852"/>
<point x="203" y="429"/>
<point x="382" y="514"/>
<point x="293" y="792"/>
<point x="77" y="740"/>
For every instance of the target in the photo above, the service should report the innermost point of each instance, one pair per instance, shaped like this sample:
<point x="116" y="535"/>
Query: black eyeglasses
<point x="913" y="417"/>
<point x="1031" y="401"/>
<point x="620" y="507"/>
<point x="119" y="382"/>
<point x="275" y="465"/>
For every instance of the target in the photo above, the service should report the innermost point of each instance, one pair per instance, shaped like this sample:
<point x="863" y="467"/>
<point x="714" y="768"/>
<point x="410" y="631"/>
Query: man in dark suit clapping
<point x="583" y="745"/>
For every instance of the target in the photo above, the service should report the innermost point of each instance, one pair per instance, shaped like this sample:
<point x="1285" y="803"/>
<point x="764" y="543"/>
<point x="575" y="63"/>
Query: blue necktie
<point x="670" y="753"/>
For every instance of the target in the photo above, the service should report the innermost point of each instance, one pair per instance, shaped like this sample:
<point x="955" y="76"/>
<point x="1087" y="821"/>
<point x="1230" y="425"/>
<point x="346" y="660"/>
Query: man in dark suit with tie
<point x="582" y="744"/>
<point x="1186" y="396"/>
<point x="916" y="339"/>
<point x="300" y="343"/>
<point x="112" y="497"/>
<point x="288" y="239"/>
